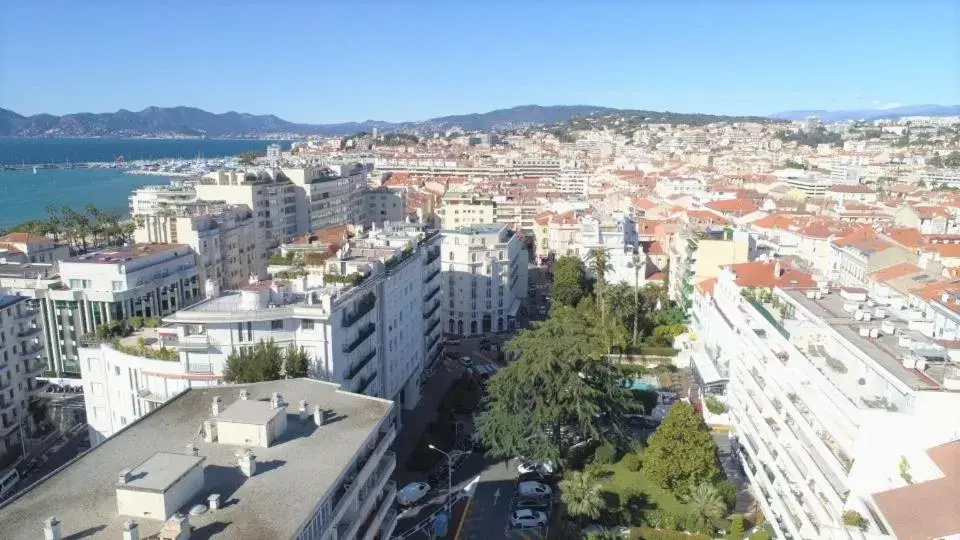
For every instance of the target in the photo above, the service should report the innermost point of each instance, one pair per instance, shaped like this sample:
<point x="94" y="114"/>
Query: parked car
<point x="412" y="492"/>
<point x="593" y="528"/>
<point x="451" y="342"/>
<point x="528" y="518"/>
<point x="533" y="504"/>
<point x="466" y="362"/>
<point x="544" y="467"/>
<point x="534" y="489"/>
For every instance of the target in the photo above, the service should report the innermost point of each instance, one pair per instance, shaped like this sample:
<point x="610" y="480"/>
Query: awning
<point x="515" y="308"/>
<point x="705" y="368"/>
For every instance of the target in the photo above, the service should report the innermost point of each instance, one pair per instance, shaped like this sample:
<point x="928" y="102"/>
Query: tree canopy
<point x="265" y="361"/>
<point x="569" y="281"/>
<point x="559" y="380"/>
<point x="89" y="228"/>
<point x="681" y="452"/>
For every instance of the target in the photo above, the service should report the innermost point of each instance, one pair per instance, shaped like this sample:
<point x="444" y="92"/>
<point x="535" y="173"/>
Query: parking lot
<point x="496" y="498"/>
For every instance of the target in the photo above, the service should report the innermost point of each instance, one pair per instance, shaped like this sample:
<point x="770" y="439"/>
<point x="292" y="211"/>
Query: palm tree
<point x="599" y="263"/>
<point x="706" y="505"/>
<point x="580" y="493"/>
<point x="639" y="264"/>
<point x="54" y="222"/>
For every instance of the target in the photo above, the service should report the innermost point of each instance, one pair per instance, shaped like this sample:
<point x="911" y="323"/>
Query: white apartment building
<point x="21" y="361"/>
<point x="277" y="204"/>
<point x="485" y="280"/>
<point x="223" y="236"/>
<point x="26" y="248"/>
<point x="837" y="400"/>
<point x="572" y="181"/>
<point x="461" y="208"/>
<point x="667" y="187"/>
<point x="617" y="236"/>
<point x="326" y="195"/>
<point x="291" y="459"/>
<point x="369" y="321"/>
<point x="380" y="205"/>
<point x="142" y="280"/>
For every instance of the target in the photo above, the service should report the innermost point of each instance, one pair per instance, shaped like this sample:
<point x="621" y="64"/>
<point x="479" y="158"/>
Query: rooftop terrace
<point x="125" y="254"/>
<point x="292" y="476"/>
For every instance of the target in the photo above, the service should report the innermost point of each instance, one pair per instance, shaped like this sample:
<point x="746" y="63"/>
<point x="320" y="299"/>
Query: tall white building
<point x="838" y="400"/>
<point x="368" y="319"/>
<point x="223" y="236"/>
<point x="276" y="203"/>
<point x="142" y="280"/>
<point x="326" y="195"/>
<point x="21" y="361"/>
<point x="485" y="279"/>
<point x="290" y="459"/>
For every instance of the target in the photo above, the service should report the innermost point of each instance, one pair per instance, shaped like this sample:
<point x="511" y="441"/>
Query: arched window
<point x="487" y="321"/>
<point x="453" y="326"/>
<point x="473" y="327"/>
<point x="450" y="258"/>
<point x="460" y="327"/>
<point x="499" y="324"/>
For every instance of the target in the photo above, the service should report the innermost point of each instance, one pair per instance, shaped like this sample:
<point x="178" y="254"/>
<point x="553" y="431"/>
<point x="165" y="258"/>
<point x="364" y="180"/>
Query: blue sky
<point x="323" y="61"/>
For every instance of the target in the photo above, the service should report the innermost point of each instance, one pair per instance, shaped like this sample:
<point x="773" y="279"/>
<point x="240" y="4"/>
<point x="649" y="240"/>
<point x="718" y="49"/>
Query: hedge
<point x="648" y="533"/>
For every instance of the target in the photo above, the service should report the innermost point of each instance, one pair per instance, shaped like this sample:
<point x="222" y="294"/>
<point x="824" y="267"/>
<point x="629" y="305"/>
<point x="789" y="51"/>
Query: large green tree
<point x="580" y="493"/>
<point x="681" y="452"/>
<point x="559" y="380"/>
<point x="265" y="361"/>
<point x="569" y="281"/>
<point x="599" y="263"/>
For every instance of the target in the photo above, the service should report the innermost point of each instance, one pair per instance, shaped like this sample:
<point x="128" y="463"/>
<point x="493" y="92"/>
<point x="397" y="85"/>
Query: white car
<point x="412" y="492"/>
<point x="527" y="518"/>
<point x="542" y="467"/>
<point x="534" y="489"/>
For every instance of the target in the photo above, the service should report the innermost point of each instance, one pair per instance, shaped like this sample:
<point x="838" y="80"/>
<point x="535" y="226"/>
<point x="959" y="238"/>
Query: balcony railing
<point x="433" y="342"/>
<point x="358" y="367"/>
<point x="364" y="305"/>
<point x="432" y="255"/>
<point x="431" y="294"/>
<point x="365" y="383"/>
<point x="26" y="314"/>
<point x="433" y="310"/>
<point x="365" y="332"/>
<point x="432" y="326"/>
<point x="28" y="331"/>
<point x="434" y="274"/>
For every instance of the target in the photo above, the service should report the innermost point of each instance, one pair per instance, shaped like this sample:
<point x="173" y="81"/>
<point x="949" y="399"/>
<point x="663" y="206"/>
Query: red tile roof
<point x="24" y="238"/>
<point x="735" y="207"/>
<point x="764" y="274"/>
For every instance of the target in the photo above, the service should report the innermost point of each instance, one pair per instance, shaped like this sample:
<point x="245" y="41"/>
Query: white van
<point x="8" y="482"/>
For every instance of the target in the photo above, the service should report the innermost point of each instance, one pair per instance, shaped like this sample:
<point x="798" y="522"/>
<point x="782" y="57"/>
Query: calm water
<point x="24" y="195"/>
<point x="31" y="151"/>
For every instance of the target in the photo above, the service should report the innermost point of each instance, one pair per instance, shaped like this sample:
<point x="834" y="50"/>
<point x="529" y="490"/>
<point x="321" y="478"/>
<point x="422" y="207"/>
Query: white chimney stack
<point x="178" y="527"/>
<point x="276" y="400"/>
<point x="123" y="477"/>
<point x="317" y="415"/>
<point x="216" y="405"/>
<point x="209" y="431"/>
<point x="244" y="395"/>
<point x="192" y="449"/>
<point x="247" y="463"/>
<point x="213" y="501"/>
<point x="131" y="531"/>
<point x="776" y="270"/>
<point x="303" y="410"/>
<point x="51" y="529"/>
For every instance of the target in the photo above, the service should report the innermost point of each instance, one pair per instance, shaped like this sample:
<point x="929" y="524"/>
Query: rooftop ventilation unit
<point x="51" y="529"/>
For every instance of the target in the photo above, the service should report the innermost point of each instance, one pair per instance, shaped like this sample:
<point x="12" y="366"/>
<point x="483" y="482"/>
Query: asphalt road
<point x="72" y="445"/>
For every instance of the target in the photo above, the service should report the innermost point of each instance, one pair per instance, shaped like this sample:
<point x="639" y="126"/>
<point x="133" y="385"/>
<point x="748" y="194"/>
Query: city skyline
<point x="404" y="63"/>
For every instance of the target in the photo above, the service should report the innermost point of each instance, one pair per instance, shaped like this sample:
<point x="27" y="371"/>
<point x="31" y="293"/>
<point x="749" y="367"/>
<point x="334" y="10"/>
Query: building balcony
<point x="432" y="275"/>
<point x="432" y="326"/>
<point x="365" y="333"/>
<point x="28" y="313"/>
<point x="364" y="306"/>
<point x="381" y="461"/>
<point x="27" y="332"/>
<point x="362" y="363"/>
<point x="376" y="522"/>
<point x="429" y="314"/>
<point x="432" y="294"/>
<point x="195" y="342"/>
<point x="365" y="383"/>
<point x="432" y="255"/>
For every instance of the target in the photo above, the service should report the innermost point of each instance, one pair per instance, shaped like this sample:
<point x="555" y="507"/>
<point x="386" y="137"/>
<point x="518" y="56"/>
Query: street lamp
<point x="449" y="475"/>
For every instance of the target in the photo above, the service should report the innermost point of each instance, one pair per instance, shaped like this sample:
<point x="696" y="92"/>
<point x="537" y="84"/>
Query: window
<point x="306" y="324"/>
<point x="117" y="285"/>
<point x="239" y="331"/>
<point x="249" y="331"/>
<point x="276" y="324"/>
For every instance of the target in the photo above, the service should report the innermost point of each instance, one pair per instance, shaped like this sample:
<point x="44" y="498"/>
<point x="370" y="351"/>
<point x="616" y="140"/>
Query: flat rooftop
<point x="480" y="228"/>
<point x="160" y="471"/>
<point x="7" y="300"/>
<point x="126" y="253"/>
<point x="885" y="349"/>
<point x="250" y="411"/>
<point x="293" y="475"/>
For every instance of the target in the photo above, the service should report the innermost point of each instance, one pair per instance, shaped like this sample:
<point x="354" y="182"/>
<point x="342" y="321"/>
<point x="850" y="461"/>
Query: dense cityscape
<point x="602" y="327"/>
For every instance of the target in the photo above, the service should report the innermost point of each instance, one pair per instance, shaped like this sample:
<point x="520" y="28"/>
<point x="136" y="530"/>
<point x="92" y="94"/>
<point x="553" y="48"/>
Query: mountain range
<point x="194" y="122"/>
<point x="891" y="113"/>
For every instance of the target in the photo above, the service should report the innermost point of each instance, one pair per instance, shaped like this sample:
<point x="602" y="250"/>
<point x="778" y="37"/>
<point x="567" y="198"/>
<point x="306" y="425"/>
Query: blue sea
<point x="24" y="195"/>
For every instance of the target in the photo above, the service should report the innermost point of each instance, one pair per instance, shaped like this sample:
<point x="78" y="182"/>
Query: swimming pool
<point x="643" y="384"/>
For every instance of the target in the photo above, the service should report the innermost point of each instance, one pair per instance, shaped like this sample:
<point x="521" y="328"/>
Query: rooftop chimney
<point x="276" y="400"/>
<point x="51" y="529"/>
<point x="777" y="270"/>
<point x="244" y="395"/>
<point x="176" y="528"/>
<point x="131" y="531"/>
<point x="317" y="415"/>
<point x="216" y="405"/>
<point x="303" y="410"/>
<point x="247" y="462"/>
<point x="209" y="431"/>
<point x="123" y="477"/>
<point x="192" y="449"/>
<point x="213" y="501"/>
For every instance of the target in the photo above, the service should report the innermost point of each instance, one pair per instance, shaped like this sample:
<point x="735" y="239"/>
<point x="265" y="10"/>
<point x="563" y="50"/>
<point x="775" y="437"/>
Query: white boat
<point x="34" y="170"/>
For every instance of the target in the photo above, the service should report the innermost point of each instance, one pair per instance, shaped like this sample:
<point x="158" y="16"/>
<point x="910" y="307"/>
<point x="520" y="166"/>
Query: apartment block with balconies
<point x="22" y="359"/>
<point x="830" y="391"/>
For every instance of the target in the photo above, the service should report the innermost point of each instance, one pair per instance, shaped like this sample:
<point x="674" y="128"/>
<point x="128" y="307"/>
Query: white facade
<point x="826" y="403"/>
<point x="151" y="280"/>
<point x="373" y="338"/>
<point x="678" y="186"/>
<point x="21" y="361"/>
<point x="485" y="279"/>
